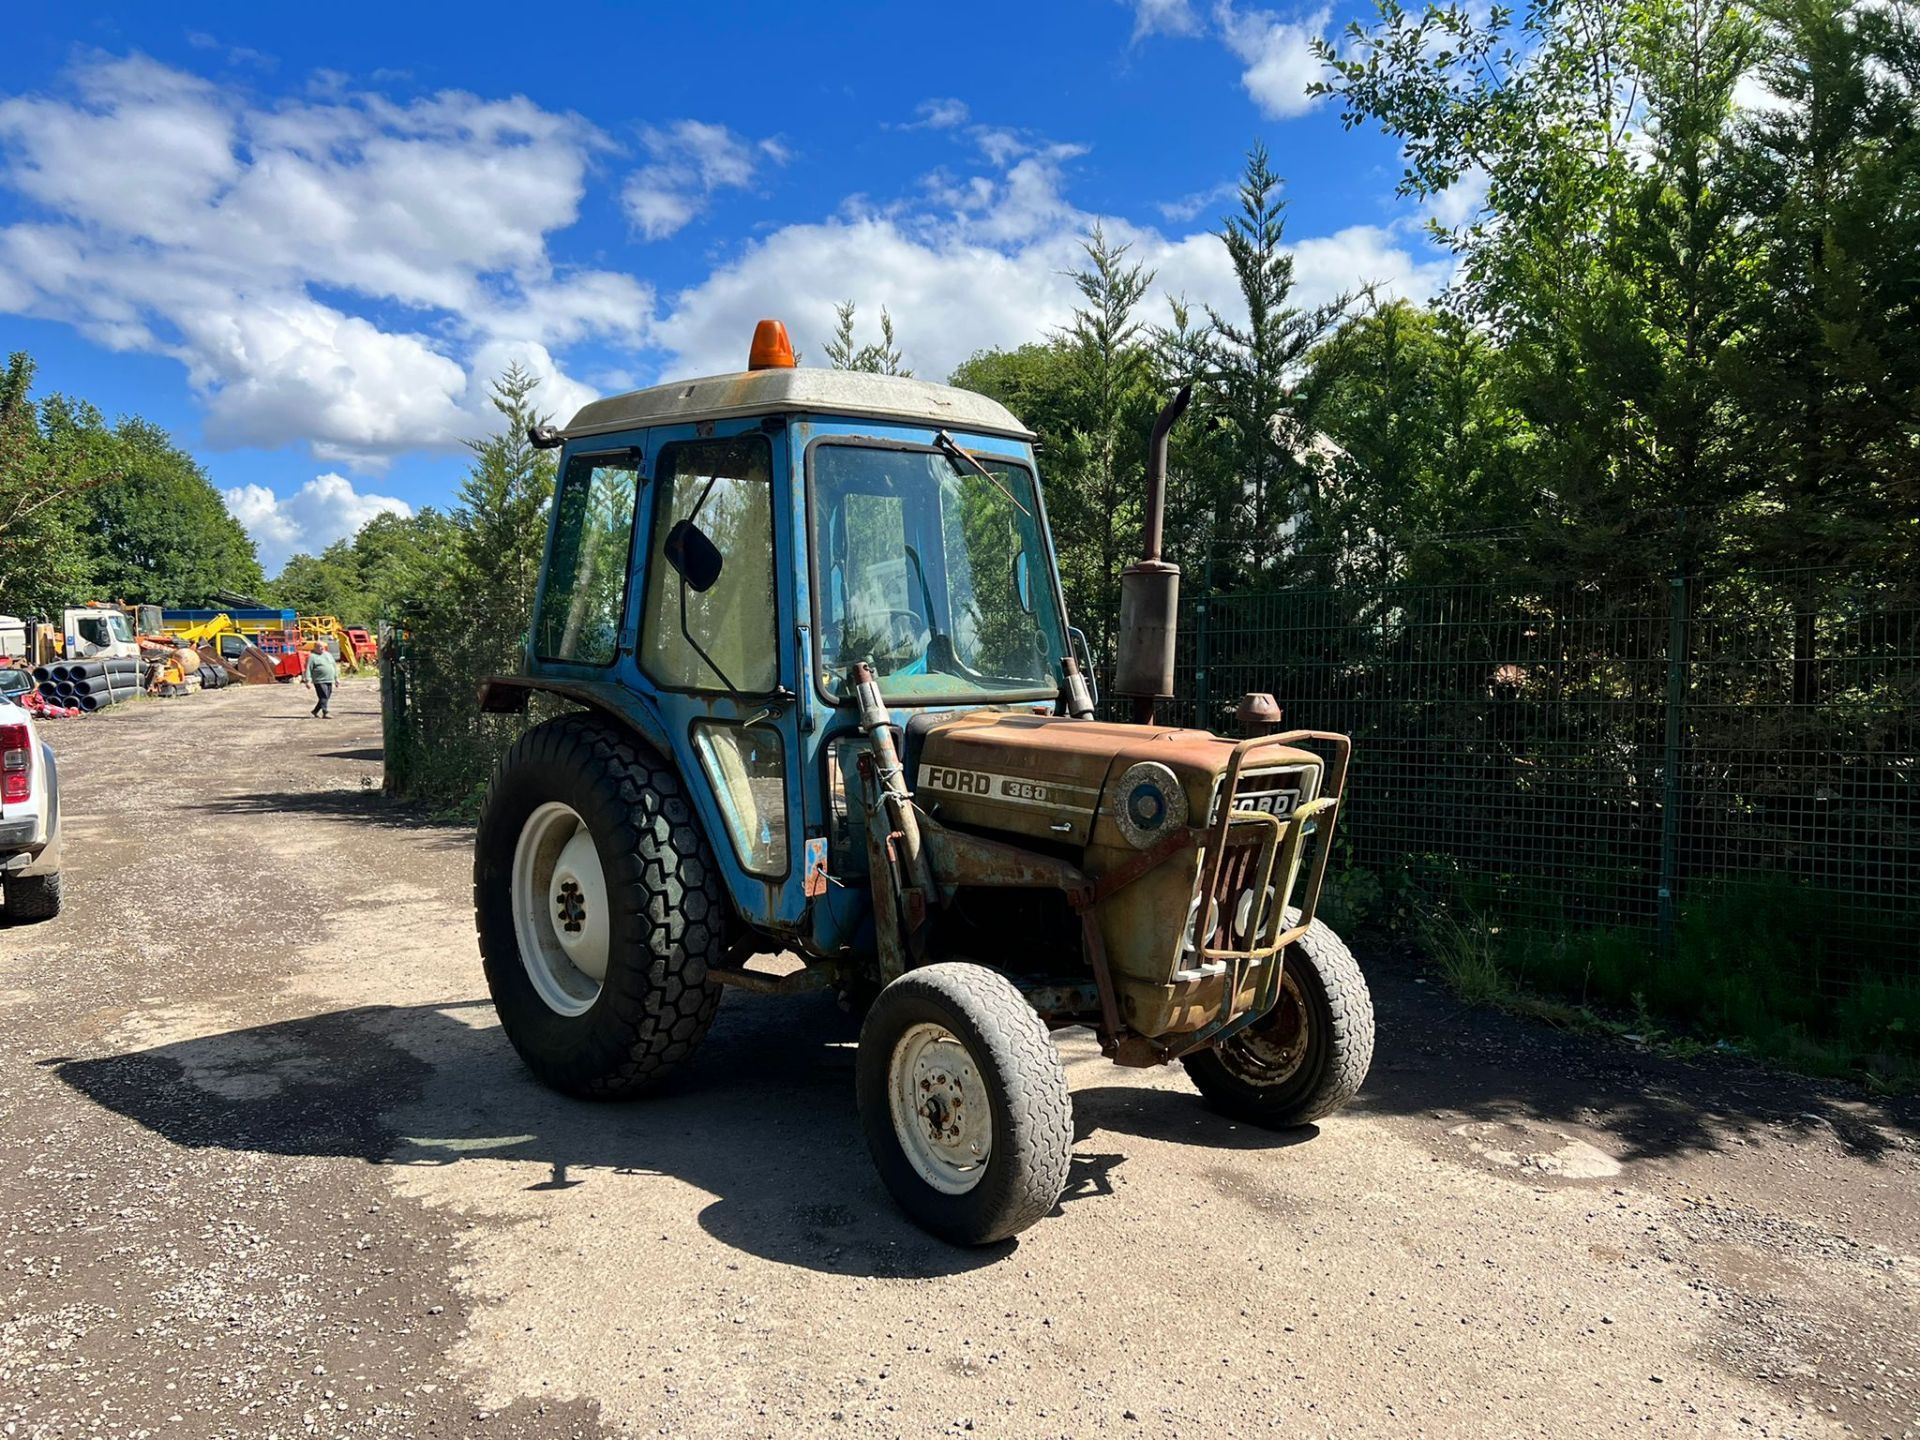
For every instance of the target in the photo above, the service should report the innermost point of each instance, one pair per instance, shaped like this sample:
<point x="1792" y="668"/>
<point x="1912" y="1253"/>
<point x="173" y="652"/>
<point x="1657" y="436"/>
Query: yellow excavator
<point x="328" y="627"/>
<point x="204" y="632"/>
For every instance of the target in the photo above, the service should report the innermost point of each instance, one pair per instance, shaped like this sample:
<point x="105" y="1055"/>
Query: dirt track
<point x="269" y="1168"/>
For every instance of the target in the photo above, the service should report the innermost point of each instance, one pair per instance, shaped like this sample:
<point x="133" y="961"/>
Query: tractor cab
<point x="825" y="700"/>
<point x="724" y="551"/>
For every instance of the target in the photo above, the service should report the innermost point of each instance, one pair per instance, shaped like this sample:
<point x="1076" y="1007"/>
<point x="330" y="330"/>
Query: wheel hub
<point x="572" y="907"/>
<point x="944" y="1108"/>
<point x="941" y="1115"/>
<point x="560" y="912"/>
<point x="1272" y="1049"/>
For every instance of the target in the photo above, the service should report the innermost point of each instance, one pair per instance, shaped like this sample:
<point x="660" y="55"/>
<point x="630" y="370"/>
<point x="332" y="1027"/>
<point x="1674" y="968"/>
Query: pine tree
<point x="1111" y="392"/>
<point x="880" y="358"/>
<point x="503" y="503"/>
<point x="1257" y="364"/>
<point x="1831" y="382"/>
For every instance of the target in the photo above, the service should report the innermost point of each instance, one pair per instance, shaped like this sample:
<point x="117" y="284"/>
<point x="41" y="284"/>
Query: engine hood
<point x="1048" y="776"/>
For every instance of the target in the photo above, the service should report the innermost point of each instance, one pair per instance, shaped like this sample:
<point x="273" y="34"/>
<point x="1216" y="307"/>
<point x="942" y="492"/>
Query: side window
<point x="747" y="768"/>
<point x="587" y="578"/>
<point x="713" y="630"/>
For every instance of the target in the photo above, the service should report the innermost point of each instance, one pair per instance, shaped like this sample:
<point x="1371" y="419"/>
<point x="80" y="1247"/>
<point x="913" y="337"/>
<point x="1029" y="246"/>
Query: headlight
<point x="1193" y="914"/>
<point x="1245" y="928"/>
<point x="1148" y="803"/>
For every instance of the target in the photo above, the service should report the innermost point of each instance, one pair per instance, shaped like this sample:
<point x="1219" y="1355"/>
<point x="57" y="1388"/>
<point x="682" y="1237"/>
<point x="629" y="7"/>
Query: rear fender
<point x="756" y="901"/>
<point x="509" y="694"/>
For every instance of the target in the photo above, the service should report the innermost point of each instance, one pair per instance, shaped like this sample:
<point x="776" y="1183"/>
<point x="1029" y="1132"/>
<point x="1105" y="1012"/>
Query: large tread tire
<point x="33" y="897"/>
<point x="669" y="909"/>
<point x="1339" y="1015"/>
<point x="1025" y="1085"/>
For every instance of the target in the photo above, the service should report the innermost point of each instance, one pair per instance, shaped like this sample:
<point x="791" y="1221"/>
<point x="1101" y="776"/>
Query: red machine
<point x="287" y="650"/>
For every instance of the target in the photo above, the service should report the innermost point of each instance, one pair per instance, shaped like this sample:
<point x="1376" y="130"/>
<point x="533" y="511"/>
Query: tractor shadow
<point x="762" y="1120"/>
<point x="362" y="804"/>
<point x="1440" y="1062"/>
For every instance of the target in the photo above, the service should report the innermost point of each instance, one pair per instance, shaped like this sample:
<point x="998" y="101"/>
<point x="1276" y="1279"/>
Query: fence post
<point x="1202" y="682"/>
<point x="388" y="661"/>
<point x="1670" y="797"/>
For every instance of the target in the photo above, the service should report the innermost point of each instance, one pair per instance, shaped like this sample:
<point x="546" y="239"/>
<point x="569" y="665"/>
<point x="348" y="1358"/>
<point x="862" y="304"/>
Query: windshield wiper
<point x="950" y="447"/>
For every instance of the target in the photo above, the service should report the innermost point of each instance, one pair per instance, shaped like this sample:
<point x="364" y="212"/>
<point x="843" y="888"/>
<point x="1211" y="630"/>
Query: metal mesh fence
<point x="1608" y="758"/>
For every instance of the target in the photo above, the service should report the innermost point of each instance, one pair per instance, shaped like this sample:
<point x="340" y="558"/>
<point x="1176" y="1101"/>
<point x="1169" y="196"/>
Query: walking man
<point x="323" y="672"/>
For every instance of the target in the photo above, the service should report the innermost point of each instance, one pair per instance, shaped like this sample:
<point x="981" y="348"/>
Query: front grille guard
<point x="1278" y="851"/>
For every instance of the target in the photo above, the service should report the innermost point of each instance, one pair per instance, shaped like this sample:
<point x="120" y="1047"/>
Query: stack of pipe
<point x="90" y="684"/>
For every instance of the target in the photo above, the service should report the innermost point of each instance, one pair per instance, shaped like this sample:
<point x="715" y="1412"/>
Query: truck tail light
<point x="16" y="763"/>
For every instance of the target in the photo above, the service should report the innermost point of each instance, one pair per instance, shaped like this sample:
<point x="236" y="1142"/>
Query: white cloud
<point x="347" y="272"/>
<point x="1462" y="202"/>
<point x="942" y="114"/>
<point x="986" y="264"/>
<point x="235" y="54"/>
<point x="691" y="160"/>
<point x="1188" y="206"/>
<point x="1164" y="17"/>
<point x="327" y="269"/>
<point x="1752" y="94"/>
<point x="325" y="509"/>
<point x="1278" y="54"/>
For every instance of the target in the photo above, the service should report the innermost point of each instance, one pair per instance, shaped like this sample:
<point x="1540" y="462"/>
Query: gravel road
<point x="270" y="1170"/>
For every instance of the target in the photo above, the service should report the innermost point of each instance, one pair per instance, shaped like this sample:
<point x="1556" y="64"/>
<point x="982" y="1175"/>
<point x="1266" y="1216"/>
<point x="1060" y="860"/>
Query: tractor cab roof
<point x="832" y="394"/>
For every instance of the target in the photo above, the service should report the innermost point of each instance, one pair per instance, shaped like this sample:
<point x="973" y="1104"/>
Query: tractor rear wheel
<point x="1306" y="1057"/>
<point x="964" y="1103"/>
<point x="599" y="907"/>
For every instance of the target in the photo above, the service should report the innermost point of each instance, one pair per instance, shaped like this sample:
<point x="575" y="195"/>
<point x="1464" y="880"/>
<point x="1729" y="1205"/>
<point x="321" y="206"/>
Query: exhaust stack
<point x="1150" y="588"/>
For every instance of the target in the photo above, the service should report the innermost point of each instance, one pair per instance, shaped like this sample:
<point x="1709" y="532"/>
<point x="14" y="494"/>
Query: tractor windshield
<point x="934" y="573"/>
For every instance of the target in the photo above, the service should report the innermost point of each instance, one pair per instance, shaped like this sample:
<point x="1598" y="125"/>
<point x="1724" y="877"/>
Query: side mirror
<point x="1083" y="652"/>
<point x="1023" y="581"/>
<point x="693" y="555"/>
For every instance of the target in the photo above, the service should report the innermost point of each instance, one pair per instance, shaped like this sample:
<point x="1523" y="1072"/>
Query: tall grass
<point x="1750" y="966"/>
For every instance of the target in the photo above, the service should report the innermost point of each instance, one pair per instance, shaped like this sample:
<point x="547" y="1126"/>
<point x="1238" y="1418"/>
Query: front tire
<point x="1305" y="1058"/>
<point x="599" y="909"/>
<point x="964" y="1103"/>
<point x="33" y="897"/>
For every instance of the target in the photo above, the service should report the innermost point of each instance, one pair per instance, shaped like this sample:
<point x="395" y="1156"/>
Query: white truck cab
<point x="29" y="819"/>
<point x="95" y="632"/>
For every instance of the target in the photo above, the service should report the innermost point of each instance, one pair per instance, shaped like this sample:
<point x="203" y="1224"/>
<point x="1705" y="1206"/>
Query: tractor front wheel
<point x="964" y="1103"/>
<point x="599" y="907"/>
<point x="1306" y="1057"/>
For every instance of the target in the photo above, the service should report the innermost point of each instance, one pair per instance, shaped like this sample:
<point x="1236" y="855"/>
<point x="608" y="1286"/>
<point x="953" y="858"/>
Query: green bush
<point x="1782" y="971"/>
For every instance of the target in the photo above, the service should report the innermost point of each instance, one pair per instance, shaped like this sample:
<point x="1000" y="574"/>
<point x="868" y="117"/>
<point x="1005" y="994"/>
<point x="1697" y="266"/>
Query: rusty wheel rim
<point x="1272" y="1050"/>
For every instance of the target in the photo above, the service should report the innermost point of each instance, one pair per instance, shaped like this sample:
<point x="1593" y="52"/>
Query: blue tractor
<point x="826" y="704"/>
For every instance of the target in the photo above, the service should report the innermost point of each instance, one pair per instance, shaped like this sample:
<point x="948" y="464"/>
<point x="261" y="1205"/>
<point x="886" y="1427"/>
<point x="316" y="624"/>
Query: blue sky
<point x="305" y="237"/>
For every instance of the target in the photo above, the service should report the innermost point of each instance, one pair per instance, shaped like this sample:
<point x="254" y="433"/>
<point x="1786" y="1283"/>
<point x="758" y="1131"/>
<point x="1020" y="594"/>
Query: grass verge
<point x="1751" y="972"/>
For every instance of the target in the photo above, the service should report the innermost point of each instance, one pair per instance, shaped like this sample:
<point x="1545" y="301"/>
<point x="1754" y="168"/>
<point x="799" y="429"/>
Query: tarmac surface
<point x="268" y="1168"/>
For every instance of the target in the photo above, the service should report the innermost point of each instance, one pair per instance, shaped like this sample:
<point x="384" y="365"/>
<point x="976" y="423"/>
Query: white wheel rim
<point x="560" y="909"/>
<point x="940" y="1112"/>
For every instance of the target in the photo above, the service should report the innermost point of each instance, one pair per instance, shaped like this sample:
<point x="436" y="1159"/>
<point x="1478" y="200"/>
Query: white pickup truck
<point x="29" y="819"/>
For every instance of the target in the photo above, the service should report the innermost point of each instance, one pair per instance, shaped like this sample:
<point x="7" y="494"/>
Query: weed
<point x="1465" y="953"/>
